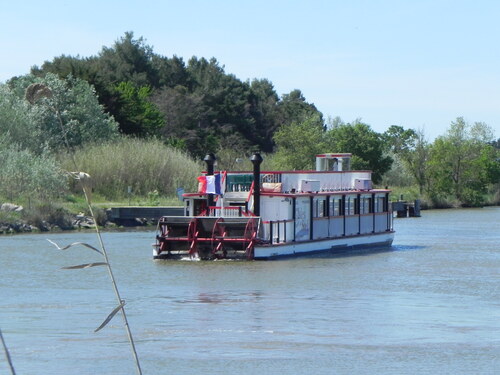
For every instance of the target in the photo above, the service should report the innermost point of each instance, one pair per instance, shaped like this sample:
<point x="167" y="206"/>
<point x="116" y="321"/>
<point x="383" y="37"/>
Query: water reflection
<point x="219" y="298"/>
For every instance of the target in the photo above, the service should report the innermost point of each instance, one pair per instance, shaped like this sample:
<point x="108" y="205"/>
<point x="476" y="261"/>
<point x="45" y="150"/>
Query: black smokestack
<point x="256" y="160"/>
<point x="210" y="160"/>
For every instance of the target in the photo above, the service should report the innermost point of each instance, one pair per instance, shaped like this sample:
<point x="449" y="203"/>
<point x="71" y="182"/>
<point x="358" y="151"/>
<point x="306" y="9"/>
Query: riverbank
<point x="12" y="223"/>
<point x="53" y="218"/>
<point x="16" y="219"/>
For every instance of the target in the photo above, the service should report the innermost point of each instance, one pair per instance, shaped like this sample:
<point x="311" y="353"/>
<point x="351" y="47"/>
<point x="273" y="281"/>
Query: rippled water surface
<point x="428" y="305"/>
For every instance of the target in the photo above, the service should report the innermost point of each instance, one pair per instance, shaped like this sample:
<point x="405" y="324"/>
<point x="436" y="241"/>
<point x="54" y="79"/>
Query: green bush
<point x="48" y="213"/>
<point x="26" y="174"/>
<point x="9" y="217"/>
<point x="100" y="216"/>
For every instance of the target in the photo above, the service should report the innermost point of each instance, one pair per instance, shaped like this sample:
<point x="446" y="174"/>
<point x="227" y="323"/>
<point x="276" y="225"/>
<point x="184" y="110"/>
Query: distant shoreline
<point x="81" y="223"/>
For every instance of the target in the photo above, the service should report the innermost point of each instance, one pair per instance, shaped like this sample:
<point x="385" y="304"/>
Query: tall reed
<point x="34" y="93"/>
<point x="143" y="165"/>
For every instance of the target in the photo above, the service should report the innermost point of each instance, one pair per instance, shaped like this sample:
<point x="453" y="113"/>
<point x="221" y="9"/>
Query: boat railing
<point x="228" y="211"/>
<point x="239" y="182"/>
<point x="244" y="182"/>
<point x="271" y="178"/>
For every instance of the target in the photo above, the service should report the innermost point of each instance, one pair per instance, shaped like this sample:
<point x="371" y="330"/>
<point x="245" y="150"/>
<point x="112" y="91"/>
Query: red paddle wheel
<point x="250" y="236"/>
<point x="218" y="235"/>
<point x="192" y="236"/>
<point x="160" y="242"/>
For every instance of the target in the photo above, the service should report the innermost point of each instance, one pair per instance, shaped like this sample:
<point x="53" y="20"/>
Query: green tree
<point x="71" y="103"/>
<point x="294" y="107"/>
<point x="170" y="72"/>
<point x="412" y="148"/>
<point x="224" y="95"/>
<point x="18" y="123"/>
<point x="462" y="163"/>
<point x="367" y="147"/>
<point x="185" y="116"/>
<point x="399" y="140"/>
<point x="416" y="160"/>
<point x="65" y="66"/>
<point x="298" y="143"/>
<point x="265" y="111"/>
<point x="128" y="60"/>
<point x="137" y="115"/>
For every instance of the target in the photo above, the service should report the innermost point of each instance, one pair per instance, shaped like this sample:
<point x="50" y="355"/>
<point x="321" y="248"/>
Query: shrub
<point x="48" y="213"/>
<point x="26" y="174"/>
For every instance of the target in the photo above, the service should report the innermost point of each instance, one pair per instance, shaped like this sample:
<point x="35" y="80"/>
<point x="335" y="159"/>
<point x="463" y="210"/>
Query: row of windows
<point x="350" y="206"/>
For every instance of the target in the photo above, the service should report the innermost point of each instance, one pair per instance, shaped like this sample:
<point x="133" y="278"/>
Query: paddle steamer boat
<point x="271" y="214"/>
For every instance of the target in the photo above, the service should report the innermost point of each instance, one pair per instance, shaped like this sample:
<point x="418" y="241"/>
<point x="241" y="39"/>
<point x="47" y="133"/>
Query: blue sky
<point x="418" y="64"/>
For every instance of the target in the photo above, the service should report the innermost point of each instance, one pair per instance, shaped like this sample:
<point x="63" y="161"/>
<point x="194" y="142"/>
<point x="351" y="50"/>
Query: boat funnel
<point x="210" y="160"/>
<point x="256" y="160"/>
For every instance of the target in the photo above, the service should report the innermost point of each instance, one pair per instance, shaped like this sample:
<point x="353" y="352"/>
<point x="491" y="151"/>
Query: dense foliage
<point x="197" y="106"/>
<point x="366" y="145"/>
<point x="67" y="113"/>
<point x="462" y="166"/>
<point x="35" y="125"/>
<point x="299" y="142"/>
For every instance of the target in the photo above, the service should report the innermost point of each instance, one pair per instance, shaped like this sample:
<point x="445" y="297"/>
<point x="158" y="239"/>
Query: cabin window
<point x="380" y="204"/>
<point x="351" y="206"/>
<point x="335" y="205"/>
<point x="365" y="205"/>
<point x="319" y="207"/>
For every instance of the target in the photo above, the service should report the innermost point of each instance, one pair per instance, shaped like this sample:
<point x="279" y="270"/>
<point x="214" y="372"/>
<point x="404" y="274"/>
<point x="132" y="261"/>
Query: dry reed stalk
<point x="33" y="94"/>
<point x="7" y="355"/>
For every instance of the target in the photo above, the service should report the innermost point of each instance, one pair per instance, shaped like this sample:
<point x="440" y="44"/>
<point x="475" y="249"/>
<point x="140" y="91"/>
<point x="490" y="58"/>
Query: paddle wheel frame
<point x="192" y="237"/>
<point x="218" y="234"/>
<point x="207" y="237"/>
<point x="250" y="237"/>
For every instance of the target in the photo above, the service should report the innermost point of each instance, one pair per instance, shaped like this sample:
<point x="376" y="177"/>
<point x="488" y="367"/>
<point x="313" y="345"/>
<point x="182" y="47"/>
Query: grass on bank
<point x="125" y="172"/>
<point x="134" y="167"/>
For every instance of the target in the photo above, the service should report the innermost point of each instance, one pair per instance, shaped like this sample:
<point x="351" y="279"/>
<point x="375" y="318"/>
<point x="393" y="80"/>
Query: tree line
<point x="195" y="105"/>
<point x="461" y="167"/>
<point x="100" y="104"/>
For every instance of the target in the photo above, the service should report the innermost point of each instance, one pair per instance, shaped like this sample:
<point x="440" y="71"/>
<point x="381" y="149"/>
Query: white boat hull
<point x="328" y="245"/>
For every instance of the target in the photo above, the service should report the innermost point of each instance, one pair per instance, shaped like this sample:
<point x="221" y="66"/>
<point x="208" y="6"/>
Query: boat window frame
<point x="319" y="207"/>
<point x="351" y="205"/>
<point x="335" y="205"/>
<point x="365" y="205"/>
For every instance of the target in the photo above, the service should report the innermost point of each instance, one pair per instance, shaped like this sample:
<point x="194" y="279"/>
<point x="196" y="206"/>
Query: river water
<point x="428" y="305"/>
